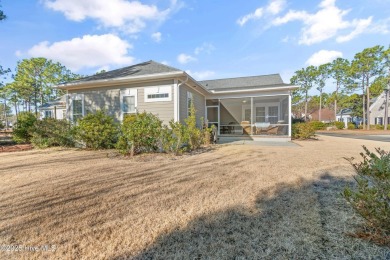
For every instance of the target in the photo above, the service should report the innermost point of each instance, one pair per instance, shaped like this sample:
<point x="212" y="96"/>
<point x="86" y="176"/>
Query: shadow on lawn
<point x="310" y="220"/>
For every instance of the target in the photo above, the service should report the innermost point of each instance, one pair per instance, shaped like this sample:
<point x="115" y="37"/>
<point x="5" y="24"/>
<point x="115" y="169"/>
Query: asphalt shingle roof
<point x="243" y="82"/>
<point x="145" y="68"/>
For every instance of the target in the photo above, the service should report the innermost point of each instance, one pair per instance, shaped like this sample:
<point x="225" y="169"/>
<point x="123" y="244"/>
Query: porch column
<point x="252" y="121"/>
<point x="289" y="115"/>
<point x="219" y="117"/>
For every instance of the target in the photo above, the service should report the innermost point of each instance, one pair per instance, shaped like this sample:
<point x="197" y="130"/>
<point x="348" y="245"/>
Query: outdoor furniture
<point x="246" y="127"/>
<point x="261" y="127"/>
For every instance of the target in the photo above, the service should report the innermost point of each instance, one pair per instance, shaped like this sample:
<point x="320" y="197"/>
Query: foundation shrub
<point x="140" y="133"/>
<point x="50" y="132"/>
<point x="97" y="131"/>
<point x="317" y="125"/>
<point x="339" y="125"/>
<point x="302" y="131"/>
<point x="22" y="129"/>
<point x="351" y="126"/>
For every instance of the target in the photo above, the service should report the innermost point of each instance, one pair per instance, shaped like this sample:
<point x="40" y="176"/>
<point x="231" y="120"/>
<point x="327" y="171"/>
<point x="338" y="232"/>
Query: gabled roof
<point x="59" y="102"/>
<point x="252" y="82"/>
<point x="145" y="68"/>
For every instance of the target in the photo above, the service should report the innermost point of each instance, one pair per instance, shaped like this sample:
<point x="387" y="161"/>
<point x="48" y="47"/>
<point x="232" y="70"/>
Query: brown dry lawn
<point x="231" y="202"/>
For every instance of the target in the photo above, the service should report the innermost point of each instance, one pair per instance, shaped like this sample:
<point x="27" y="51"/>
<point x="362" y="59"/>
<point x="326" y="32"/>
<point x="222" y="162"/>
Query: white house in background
<point x="345" y="115"/>
<point x="251" y="107"/>
<point x="54" y="109"/>
<point x="377" y="110"/>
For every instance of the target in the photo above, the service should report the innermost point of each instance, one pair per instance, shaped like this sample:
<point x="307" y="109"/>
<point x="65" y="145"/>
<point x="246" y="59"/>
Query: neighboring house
<point x="377" y="110"/>
<point x="346" y="116"/>
<point x="327" y="115"/>
<point x="249" y="106"/>
<point x="54" y="109"/>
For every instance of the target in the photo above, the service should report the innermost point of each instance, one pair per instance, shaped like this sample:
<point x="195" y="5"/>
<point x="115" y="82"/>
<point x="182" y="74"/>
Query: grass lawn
<point x="230" y="202"/>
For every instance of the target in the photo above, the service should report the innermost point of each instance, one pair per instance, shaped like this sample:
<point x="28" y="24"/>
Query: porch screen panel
<point x="273" y="112"/>
<point x="260" y="114"/>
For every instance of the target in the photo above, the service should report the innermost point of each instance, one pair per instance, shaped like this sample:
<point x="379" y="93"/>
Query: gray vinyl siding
<point x="378" y="109"/>
<point x="199" y="103"/>
<point x="108" y="98"/>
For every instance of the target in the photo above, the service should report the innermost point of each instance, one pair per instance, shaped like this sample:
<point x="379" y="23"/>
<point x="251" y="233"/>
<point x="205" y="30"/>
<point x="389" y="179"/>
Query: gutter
<point x="118" y="81"/>
<point x="255" y="89"/>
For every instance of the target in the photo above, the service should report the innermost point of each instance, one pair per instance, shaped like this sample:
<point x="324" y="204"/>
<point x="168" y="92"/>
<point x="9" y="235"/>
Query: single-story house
<point x="254" y="106"/>
<point x="377" y="110"/>
<point x="346" y="115"/>
<point x="54" y="109"/>
<point x="327" y="115"/>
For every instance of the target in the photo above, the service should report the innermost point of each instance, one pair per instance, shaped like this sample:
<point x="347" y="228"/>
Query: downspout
<point x="177" y="94"/>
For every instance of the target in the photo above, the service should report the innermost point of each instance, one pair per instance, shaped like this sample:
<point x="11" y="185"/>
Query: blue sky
<point x="208" y="39"/>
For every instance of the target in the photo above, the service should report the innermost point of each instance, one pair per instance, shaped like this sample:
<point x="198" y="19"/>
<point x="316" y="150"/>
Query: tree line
<point x="355" y="81"/>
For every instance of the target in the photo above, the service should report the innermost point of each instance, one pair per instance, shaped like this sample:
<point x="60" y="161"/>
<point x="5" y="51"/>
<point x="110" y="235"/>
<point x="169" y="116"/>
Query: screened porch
<point x="250" y="116"/>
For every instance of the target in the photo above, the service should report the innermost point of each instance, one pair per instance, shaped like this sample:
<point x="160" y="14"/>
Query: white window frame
<point x="74" y="97"/>
<point x="129" y="92"/>
<point x="265" y="105"/>
<point x="190" y="96"/>
<point x="164" y="89"/>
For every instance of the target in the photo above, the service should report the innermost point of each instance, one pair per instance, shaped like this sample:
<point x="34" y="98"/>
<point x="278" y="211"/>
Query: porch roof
<point x="253" y="82"/>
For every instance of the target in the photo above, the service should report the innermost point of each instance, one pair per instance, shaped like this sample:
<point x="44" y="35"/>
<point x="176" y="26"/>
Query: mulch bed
<point x="15" y="148"/>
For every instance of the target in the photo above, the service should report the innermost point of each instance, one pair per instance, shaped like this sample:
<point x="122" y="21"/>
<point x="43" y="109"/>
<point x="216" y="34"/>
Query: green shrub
<point x="140" y="133"/>
<point x="339" y="125"/>
<point x="194" y="134"/>
<point x="372" y="198"/>
<point x="377" y="127"/>
<point x="317" y="125"/>
<point x="97" y="131"/>
<point x="174" y="138"/>
<point x="351" y="126"/>
<point x="1" y="125"/>
<point x="51" y="132"/>
<point x="22" y="129"/>
<point x="302" y="131"/>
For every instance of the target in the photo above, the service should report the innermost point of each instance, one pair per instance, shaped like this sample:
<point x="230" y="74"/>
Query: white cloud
<point x="129" y="16"/>
<point x="257" y="14"/>
<point x="274" y="7"/>
<point x="156" y="36"/>
<point x="165" y="62"/>
<point x="185" y="58"/>
<point x="361" y="26"/>
<point x="323" y="56"/>
<point x="201" y="75"/>
<point x="90" y="51"/>
<point x="326" y="23"/>
<point x="205" y="47"/>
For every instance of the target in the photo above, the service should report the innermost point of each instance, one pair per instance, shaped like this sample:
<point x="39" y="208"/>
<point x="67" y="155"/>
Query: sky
<point x="208" y="39"/>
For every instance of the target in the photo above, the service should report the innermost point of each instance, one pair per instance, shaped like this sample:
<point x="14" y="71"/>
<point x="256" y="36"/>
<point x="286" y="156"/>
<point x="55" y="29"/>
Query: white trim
<point x="254" y="89"/>
<point x="162" y="89"/>
<point x="289" y="115"/>
<point x="128" y="92"/>
<point x="176" y="88"/>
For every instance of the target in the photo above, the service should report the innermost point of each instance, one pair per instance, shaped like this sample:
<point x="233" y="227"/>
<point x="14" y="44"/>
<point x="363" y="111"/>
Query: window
<point x="47" y="113"/>
<point x="158" y="94"/>
<point x="379" y="120"/>
<point x="128" y="99"/>
<point x="128" y="104"/>
<point x="273" y="114"/>
<point x="77" y="110"/>
<point x="77" y="107"/>
<point x="260" y="114"/>
<point x="189" y="102"/>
